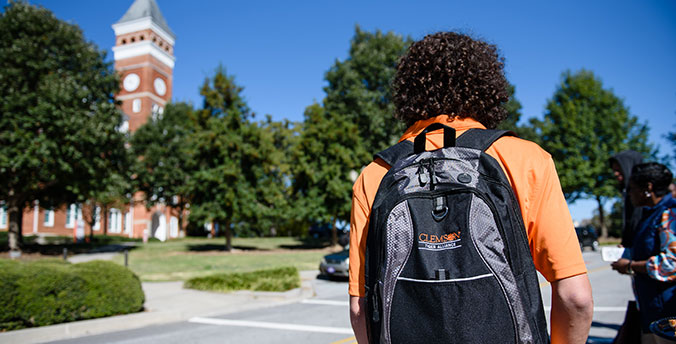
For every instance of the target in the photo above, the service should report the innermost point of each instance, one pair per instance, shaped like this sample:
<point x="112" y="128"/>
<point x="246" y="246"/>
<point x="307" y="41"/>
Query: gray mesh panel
<point x="398" y="241"/>
<point x="487" y="240"/>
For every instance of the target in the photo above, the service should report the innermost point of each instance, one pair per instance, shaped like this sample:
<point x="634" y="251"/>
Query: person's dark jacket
<point x="630" y="215"/>
<point x="656" y="299"/>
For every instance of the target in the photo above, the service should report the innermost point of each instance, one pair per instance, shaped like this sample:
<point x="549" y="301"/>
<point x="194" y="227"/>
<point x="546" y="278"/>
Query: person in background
<point x="622" y="163"/>
<point x="653" y="254"/>
<point x="672" y="188"/>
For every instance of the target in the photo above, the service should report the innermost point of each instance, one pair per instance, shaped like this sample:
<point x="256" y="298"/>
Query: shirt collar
<point x="454" y="122"/>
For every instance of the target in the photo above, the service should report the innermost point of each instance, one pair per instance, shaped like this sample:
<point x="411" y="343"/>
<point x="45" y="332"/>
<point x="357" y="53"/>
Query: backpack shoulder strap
<point x="481" y="138"/>
<point x="393" y="154"/>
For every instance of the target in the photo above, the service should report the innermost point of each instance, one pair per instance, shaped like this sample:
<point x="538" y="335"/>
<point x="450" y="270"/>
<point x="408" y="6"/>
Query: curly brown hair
<point x="453" y="74"/>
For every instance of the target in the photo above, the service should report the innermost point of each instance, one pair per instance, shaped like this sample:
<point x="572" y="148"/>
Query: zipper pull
<point x="423" y="178"/>
<point x="430" y="166"/>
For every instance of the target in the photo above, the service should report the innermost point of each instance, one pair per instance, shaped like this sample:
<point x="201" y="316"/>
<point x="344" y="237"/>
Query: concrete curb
<point x="236" y="302"/>
<point x="89" y="327"/>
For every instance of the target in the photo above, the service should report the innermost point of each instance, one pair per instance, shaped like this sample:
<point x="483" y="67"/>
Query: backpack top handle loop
<point x="421" y="139"/>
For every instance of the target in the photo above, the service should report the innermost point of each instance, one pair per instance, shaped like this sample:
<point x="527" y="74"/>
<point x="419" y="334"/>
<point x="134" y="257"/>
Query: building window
<point x="49" y="218"/>
<point x="133" y="40"/>
<point x="136" y="105"/>
<point x="3" y="215"/>
<point x="173" y="226"/>
<point x="127" y="222"/>
<point x="124" y="41"/>
<point x="142" y="38"/>
<point x="97" y="219"/>
<point x="71" y="215"/>
<point x="115" y="221"/>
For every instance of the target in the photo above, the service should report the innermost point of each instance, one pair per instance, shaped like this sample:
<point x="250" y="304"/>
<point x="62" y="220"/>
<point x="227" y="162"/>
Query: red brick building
<point x="144" y="58"/>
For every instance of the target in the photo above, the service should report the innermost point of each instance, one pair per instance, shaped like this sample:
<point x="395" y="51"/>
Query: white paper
<point x="612" y="254"/>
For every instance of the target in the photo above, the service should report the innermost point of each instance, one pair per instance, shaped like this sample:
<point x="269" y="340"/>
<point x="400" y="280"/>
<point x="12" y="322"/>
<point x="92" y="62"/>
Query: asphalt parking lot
<point x="324" y="318"/>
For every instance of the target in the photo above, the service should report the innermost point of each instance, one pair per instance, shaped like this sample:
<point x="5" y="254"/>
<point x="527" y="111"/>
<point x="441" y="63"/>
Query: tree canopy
<point x="233" y="167"/>
<point x="59" y="135"/>
<point x="160" y="146"/>
<point x="584" y="125"/>
<point x="359" y="88"/>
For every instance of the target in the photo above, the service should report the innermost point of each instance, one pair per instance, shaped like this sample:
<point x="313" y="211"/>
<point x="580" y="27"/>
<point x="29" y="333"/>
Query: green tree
<point x="324" y="160"/>
<point x="232" y="160"/>
<point x="359" y="89"/>
<point x="584" y="125"/>
<point x="161" y="150"/>
<point x="354" y="121"/>
<point x="58" y="119"/>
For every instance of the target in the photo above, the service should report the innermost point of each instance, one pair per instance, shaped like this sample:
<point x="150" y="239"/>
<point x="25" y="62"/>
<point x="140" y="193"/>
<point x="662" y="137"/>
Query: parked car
<point x="587" y="236"/>
<point x="335" y="264"/>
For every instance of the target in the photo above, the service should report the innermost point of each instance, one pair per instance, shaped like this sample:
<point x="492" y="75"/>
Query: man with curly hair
<point x="452" y="79"/>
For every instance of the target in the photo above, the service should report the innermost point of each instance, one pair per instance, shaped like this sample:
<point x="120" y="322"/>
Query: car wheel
<point x="595" y="245"/>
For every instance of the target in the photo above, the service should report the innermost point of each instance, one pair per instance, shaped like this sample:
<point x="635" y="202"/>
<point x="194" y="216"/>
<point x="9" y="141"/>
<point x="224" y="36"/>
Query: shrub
<point x="280" y="279"/>
<point x="49" y="292"/>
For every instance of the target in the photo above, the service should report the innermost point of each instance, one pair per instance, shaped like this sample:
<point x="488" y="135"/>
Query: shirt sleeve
<point x="551" y="232"/>
<point x="358" y="231"/>
<point x="662" y="267"/>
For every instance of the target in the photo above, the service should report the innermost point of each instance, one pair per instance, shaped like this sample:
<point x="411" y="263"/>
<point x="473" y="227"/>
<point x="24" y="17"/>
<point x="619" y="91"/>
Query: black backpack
<point x="447" y="257"/>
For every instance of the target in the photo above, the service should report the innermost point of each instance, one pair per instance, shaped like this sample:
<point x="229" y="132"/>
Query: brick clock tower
<point x="144" y="58"/>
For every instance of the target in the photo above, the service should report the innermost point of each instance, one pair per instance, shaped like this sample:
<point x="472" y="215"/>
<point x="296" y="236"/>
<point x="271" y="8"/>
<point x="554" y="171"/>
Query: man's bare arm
<point x="358" y="318"/>
<point x="572" y="309"/>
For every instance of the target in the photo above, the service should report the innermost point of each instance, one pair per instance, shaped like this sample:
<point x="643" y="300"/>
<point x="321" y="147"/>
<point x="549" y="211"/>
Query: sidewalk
<point x="167" y="302"/>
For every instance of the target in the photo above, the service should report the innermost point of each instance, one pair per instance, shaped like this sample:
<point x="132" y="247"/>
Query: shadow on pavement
<point x="610" y="326"/>
<point x="598" y="340"/>
<point x="332" y="278"/>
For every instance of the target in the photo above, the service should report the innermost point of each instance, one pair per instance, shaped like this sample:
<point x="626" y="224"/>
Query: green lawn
<point x="195" y="257"/>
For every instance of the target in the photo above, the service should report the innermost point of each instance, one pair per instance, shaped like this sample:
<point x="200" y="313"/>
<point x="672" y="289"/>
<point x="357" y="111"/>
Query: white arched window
<point x="136" y="105"/>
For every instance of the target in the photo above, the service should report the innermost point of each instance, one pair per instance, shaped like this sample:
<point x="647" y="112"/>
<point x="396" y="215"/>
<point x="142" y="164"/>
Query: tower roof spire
<point x="144" y="9"/>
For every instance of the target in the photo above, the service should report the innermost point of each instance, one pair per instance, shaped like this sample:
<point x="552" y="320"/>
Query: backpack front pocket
<point x="450" y="311"/>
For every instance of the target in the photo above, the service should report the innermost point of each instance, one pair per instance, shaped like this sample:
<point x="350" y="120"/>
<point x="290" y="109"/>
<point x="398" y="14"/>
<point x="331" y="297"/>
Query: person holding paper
<point x="653" y="254"/>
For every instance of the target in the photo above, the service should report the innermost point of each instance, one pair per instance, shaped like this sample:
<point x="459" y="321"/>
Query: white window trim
<point x="115" y="223"/>
<point x="136" y="105"/>
<point x="127" y="222"/>
<point x="97" y="219"/>
<point x="3" y="215"/>
<point x="71" y="215"/>
<point x="173" y="227"/>
<point x="49" y="223"/>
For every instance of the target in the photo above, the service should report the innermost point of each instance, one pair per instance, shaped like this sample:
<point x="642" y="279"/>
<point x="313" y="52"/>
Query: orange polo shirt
<point x="532" y="174"/>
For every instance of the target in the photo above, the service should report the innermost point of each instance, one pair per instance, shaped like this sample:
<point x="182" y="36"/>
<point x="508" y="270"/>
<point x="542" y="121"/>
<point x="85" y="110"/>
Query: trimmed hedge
<point x="281" y="279"/>
<point x="49" y="292"/>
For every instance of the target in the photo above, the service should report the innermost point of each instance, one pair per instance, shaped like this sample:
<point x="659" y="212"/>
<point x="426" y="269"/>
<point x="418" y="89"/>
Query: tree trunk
<point x="602" y="219"/>
<point x="15" y="213"/>
<point x="228" y="236"/>
<point x="334" y="232"/>
<point x="181" y="230"/>
<point x="89" y="216"/>
<point x="104" y="217"/>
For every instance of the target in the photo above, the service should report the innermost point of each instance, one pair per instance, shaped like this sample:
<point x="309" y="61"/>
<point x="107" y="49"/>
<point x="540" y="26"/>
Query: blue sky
<point x="279" y="51"/>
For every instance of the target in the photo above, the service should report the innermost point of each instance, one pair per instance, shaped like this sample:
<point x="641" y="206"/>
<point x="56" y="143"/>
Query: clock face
<point x="131" y="82"/>
<point x="160" y="86"/>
